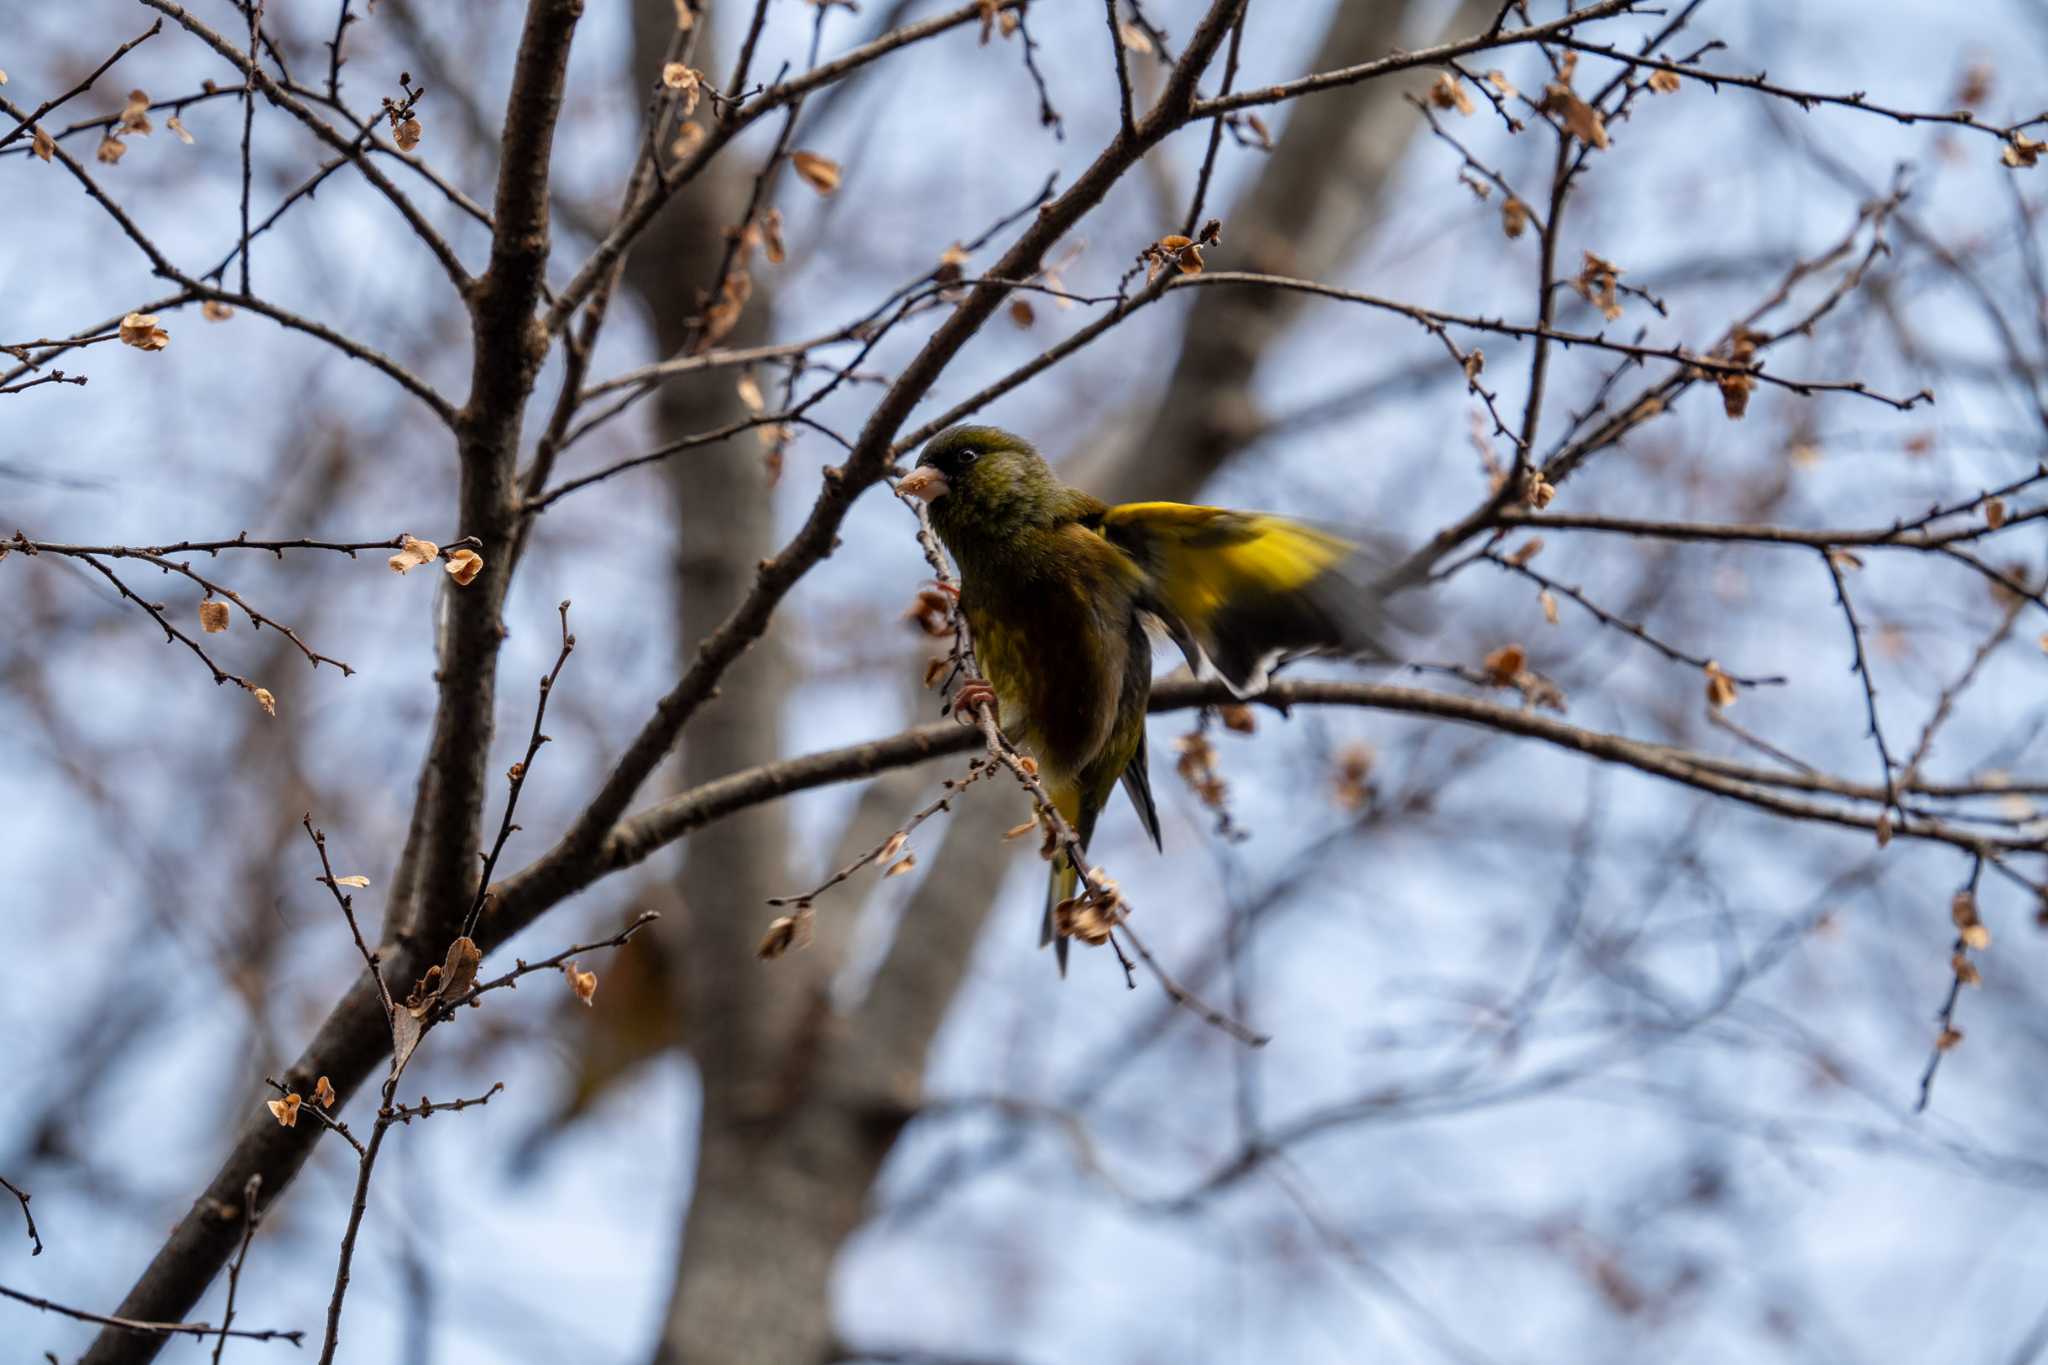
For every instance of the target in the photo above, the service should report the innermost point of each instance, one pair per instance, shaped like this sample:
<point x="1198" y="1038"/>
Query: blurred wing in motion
<point x="1241" y="591"/>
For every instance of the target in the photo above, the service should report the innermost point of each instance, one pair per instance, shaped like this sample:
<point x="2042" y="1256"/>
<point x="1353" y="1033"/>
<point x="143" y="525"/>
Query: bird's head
<point x="980" y="478"/>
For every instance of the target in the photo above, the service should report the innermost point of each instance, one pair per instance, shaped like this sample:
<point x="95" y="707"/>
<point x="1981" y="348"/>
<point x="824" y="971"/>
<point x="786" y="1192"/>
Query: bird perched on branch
<point x="1057" y="588"/>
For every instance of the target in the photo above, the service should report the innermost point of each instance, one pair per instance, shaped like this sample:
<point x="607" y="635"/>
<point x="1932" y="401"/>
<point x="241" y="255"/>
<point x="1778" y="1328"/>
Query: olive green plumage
<point x="1057" y="588"/>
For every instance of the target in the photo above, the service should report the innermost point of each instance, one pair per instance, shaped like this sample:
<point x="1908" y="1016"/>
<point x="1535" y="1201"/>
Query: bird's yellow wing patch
<point x="1238" y="589"/>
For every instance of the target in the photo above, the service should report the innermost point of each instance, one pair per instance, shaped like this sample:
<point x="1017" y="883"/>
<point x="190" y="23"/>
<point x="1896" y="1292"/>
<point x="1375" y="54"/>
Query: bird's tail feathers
<point x="1061" y="886"/>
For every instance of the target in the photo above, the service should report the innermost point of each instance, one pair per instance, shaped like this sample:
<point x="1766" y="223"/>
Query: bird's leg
<point x="973" y="692"/>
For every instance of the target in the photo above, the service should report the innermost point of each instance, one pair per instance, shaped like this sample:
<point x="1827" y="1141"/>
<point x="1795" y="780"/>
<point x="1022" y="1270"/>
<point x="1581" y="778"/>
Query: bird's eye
<point x="969" y="456"/>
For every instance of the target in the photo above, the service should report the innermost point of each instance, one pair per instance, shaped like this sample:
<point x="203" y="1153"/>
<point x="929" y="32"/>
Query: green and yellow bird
<point x="1057" y="588"/>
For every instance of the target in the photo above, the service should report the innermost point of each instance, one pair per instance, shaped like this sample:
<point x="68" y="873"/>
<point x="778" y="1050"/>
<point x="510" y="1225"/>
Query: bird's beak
<point x="923" y="482"/>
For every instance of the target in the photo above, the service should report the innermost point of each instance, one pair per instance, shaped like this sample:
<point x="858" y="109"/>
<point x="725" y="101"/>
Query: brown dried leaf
<point x="135" y="114"/>
<point x="1019" y="831"/>
<point x="264" y="700"/>
<point x="1133" y="37"/>
<point x="686" y="15"/>
<point x="820" y="173"/>
<point x="771" y="237"/>
<point x="750" y="394"/>
<point x="406" y="1029"/>
<point x="213" y="310"/>
<point x="1475" y="365"/>
<point x="1947" y="1039"/>
<point x="1526" y="551"/>
<point x="1237" y="718"/>
<point x="1514" y="217"/>
<point x="775" y="439"/>
<point x="1354" y="789"/>
<point x="140" y="331"/>
<point x="323" y="1093"/>
<point x="1449" y="93"/>
<point x="1664" y="82"/>
<point x="933" y="613"/>
<point x="458" y="972"/>
<point x="1549" y="605"/>
<point x="581" y="982"/>
<point x="42" y="145"/>
<point x="689" y="137"/>
<point x="356" y="881"/>
<point x="413" y="553"/>
<point x="177" y="125"/>
<point x="688" y="86"/>
<point x="1505" y="664"/>
<point x="1580" y="119"/>
<point x="1962" y="908"/>
<point x="1597" y="282"/>
<point x="1022" y="313"/>
<point x="900" y="866"/>
<point x="2022" y="152"/>
<point x="1994" y="513"/>
<point x="1966" y="970"/>
<point x="724" y="315"/>
<point x="1499" y="81"/>
<point x="1884" y="829"/>
<point x="1976" y="936"/>
<point x="463" y="567"/>
<point x="286" y="1110"/>
<point x="785" y="932"/>
<point x="1736" y="388"/>
<point x="213" y="617"/>
<point x="1080" y="917"/>
<point x="1975" y="86"/>
<point x="1721" y="691"/>
<point x="407" y="134"/>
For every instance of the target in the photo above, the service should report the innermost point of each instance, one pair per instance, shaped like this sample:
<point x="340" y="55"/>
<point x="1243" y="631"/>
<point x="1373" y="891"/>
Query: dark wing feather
<point x="1137" y="781"/>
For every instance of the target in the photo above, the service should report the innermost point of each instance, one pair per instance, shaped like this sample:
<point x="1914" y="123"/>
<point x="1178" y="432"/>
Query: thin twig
<point x="255" y="8"/>
<point x="1123" y="75"/>
<point x="250" y="1218"/>
<point x="1861" y="668"/>
<point x="1003" y="751"/>
<point x="1608" y="619"/>
<point x="894" y="843"/>
<point x="201" y="1330"/>
<point x="1947" y="1035"/>
<point x="427" y="1108"/>
<point x="371" y="961"/>
<point x="518" y="774"/>
<point x="524" y="968"/>
<point x="30" y="120"/>
<point x="24" y="1196"/>
<point x="327" y="1120"/>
